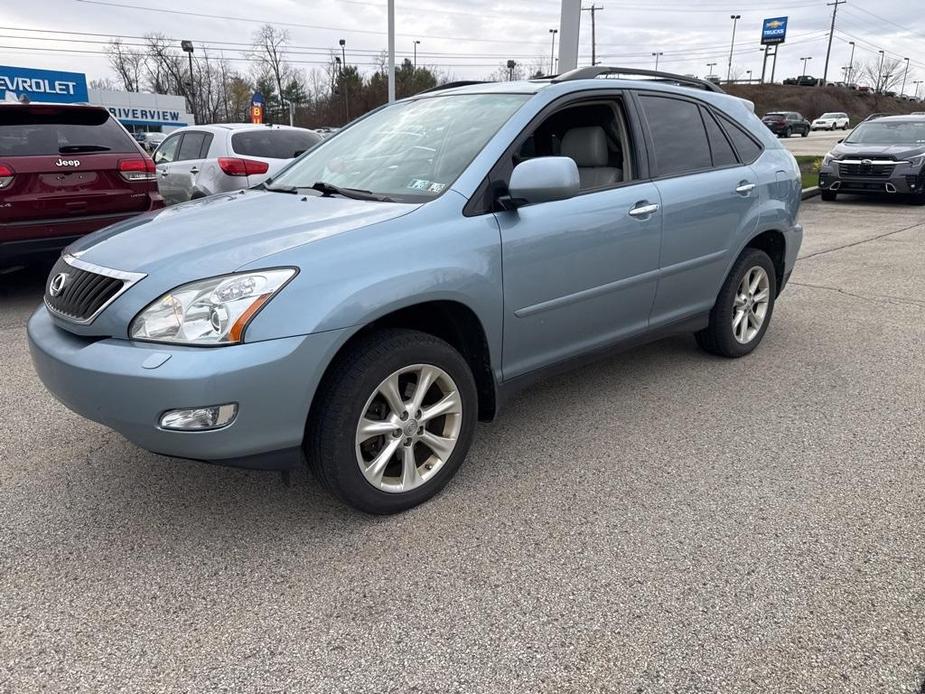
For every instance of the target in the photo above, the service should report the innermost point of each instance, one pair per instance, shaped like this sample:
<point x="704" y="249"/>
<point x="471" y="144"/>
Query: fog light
<point x="200" y="418"/>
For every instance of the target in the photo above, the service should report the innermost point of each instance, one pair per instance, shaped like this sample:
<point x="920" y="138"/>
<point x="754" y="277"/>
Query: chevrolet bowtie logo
<point x="774" y="23"/>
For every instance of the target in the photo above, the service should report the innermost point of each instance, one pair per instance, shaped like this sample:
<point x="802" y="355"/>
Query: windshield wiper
<point x="69" y="149"/>
<point x="329" y="189"/>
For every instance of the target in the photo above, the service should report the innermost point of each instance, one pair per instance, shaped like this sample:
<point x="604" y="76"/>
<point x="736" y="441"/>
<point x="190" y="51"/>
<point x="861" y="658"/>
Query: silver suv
<point x="372" y="301"/>
<point x="203" y="160"/>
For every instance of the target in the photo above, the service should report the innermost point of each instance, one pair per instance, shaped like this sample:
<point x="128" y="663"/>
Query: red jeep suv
<point x="66" y="170"/>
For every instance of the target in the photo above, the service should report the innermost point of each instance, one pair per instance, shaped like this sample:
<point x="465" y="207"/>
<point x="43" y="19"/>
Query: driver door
<point x="581" y="273"/>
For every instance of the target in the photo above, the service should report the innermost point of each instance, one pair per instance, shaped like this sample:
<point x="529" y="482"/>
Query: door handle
<point x="744" y="188"/>
<point x="643" y="209"/>
<point x="194" y="170"/>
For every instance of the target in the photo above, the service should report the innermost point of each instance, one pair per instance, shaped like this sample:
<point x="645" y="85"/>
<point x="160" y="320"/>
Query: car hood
<point x="221" y="233"/>
<point x="870" y="151"/>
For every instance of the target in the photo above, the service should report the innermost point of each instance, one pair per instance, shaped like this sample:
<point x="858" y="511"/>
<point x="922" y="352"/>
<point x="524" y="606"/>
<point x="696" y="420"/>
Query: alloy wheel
<point x="409" y="428"/>
<point x="750" y="306"/>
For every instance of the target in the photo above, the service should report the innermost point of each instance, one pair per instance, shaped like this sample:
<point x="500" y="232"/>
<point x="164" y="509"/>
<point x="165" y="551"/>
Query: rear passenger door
<point x="164" y="157"/>
<point x="709" y="199"/>
<point x="184" y="171"/>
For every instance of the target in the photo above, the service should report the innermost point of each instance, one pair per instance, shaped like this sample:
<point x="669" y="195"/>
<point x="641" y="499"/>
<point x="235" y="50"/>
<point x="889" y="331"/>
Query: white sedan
<point x="831" y="121"/>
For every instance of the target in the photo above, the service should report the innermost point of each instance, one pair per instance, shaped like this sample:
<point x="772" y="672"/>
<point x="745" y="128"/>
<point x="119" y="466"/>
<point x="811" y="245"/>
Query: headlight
<point x="209" y="312"/>
<point x="827" y="159"/>
<point x="916" y="160"/>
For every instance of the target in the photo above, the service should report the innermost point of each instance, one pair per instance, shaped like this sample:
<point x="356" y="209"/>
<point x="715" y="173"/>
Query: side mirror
<point x="841" y="140"/>
<point x="544" y="179"/>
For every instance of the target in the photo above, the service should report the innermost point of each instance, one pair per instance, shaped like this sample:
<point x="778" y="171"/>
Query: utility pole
<point x="592" y="10"/>
<point x="850" y="64"/>
<point x="343" y="82"/>
<point x="187" y="47"/>
<point x="391" y="28"/>
<point x="552" y="53"/>
<point x="834" y="5"/>
<point x="880" y="73"/>
<point x="735" y="19"/>
<point x="657" y="54"/>
<point x="902" y="89"/>
<point x="510" y="70"/>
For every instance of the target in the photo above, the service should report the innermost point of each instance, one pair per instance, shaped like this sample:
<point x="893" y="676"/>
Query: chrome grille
<point x="78" y="291"/>
<point x="864" y="167"/>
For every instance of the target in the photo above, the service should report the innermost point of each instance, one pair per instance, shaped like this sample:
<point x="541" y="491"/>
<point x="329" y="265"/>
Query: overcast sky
<point x="469" y="40"/>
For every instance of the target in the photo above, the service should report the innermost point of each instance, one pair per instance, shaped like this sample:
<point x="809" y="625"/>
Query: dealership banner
<point x="43" y="85"/>
<point x="773" y="30"/>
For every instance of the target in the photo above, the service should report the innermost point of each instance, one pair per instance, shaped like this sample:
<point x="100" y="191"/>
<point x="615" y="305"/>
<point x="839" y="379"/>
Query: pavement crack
<point x="876" y="298"/>
<point x="858" y="243"/>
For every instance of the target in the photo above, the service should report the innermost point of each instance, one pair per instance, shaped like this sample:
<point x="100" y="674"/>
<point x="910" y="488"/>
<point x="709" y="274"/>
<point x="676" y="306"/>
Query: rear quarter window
<point x="273" y="144"/>
<point x="51" y="131"/>
<point x="745" y="144"/>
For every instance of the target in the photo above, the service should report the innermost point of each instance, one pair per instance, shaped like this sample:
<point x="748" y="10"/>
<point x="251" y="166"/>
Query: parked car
<point x="874" y="116"/>
<point x="831" y="121"/>
<point x="786" y="123"/>
<point x="65" y="171"/>
<point x="808" y="81"/>
<point x="864" y="89"/>
<point x="886" y="155"/>
<point x="152" y="140"/>
<point x="202" y="160"/>
<point x="404" y="277"/>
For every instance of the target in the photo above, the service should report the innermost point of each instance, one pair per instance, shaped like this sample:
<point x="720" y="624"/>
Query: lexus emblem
<point x="57" y="283"/>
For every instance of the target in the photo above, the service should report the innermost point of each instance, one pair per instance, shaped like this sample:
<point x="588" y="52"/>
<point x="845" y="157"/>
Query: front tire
<point x="804" y="133"/>
<point x="393" y="422"/>
<point x="743" y="308"/>
<point x="788" y="132"/>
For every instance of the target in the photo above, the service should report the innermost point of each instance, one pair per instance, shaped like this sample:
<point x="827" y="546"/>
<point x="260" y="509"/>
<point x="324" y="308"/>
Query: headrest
<point x="587" y="146"/>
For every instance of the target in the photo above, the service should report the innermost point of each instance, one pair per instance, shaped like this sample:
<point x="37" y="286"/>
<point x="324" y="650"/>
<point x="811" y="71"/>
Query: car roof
<point x="237" y="127"/>
<point x="901" y="118"/>
<point x="51" y="106"/>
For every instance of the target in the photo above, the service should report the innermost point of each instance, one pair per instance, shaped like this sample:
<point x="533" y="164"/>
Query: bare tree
<point x="106" y="83"/>
<point x="268" y="51"/>
<point x="127" y="63"/>
<point x="884" y="77"/>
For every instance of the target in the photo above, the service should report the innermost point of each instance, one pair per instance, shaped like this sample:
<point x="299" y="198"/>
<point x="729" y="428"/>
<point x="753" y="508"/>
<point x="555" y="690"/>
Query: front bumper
<point x="272" y="381"/>
<point x="903" y="181"/>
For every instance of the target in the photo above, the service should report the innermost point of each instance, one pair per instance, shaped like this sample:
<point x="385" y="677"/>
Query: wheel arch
<point x="774" y="243"/>
<point x="453" y="322"/>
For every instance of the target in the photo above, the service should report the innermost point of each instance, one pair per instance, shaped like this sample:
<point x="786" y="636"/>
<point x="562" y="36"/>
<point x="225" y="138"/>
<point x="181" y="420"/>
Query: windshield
<point x="880" y="133"/>
<point x="410" y="151"/>
<point x="775" y="115"/>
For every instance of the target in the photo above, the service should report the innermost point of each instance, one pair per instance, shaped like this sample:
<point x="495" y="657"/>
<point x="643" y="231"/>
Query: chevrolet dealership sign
<point x="44" y="85"/>
<point x="773" y="30"/>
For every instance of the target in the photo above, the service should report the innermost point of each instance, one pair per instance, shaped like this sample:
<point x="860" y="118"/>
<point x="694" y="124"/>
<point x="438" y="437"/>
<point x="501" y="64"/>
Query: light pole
<point x="850" y="64"/>
<point x="735" y="19"/>
<point x="343" y="66"/>
<point x="710" y="67"/>
<point x="917" y="83"/>
<point x="749" y="73"/>
<point x="552" y="53"/>
<point x="510" y="70"/>
<point x="416" y="54"/>
<point x="804" y="65"/>
<point x="902" y="90"/>
<point x="187" y="47"/>
<point x="659" y="53"/>
<point x="880" y="73"/>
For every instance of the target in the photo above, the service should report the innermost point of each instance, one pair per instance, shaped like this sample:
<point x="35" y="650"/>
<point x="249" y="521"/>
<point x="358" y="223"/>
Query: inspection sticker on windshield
<point x="424" y="184"/>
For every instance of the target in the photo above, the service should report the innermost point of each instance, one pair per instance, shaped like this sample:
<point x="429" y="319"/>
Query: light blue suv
<point x="373" y="300"/>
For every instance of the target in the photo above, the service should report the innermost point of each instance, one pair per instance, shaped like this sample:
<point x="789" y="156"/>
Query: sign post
<point x="773" y="33"/>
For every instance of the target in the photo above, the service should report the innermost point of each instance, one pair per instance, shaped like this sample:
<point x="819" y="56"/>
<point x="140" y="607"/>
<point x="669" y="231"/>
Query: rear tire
<point x="362" y="441"/>
<point x="788" y="132"/>
<point x="828" y="195"/>
<point x="743" y="308"/>
<point x="804" y="133"/>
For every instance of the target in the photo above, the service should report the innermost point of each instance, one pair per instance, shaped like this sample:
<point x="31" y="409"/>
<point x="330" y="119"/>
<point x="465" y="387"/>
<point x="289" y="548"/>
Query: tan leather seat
<point x="588" y="148"/>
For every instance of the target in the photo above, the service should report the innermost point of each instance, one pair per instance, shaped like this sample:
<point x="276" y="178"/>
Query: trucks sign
<point x="43" y="85"/>
<point x="773" y="30"/>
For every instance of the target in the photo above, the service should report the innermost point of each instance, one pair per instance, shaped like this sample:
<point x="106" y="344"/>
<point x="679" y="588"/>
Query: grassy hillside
<point x="812" y="102"/>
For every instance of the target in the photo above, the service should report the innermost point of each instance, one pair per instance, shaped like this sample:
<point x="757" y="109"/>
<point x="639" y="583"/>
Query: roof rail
<point x="588" y="73"/>
<point x="451" y="85"/>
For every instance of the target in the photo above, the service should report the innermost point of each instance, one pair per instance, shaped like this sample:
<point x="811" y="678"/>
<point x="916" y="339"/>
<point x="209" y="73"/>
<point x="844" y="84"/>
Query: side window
<point x="191" y="145"/>
<point x="167" y="152"/>
<point x="593" y="134"/>
<point x="748" y="149"/>
<point x="678" y="137"/>
<point x="723" y="154"/>
<point x="206" y="143"/>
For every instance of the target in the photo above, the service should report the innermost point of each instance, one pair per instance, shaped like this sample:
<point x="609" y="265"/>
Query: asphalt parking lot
<point x="662" y="521"/>
<point x="817" y="143"/>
